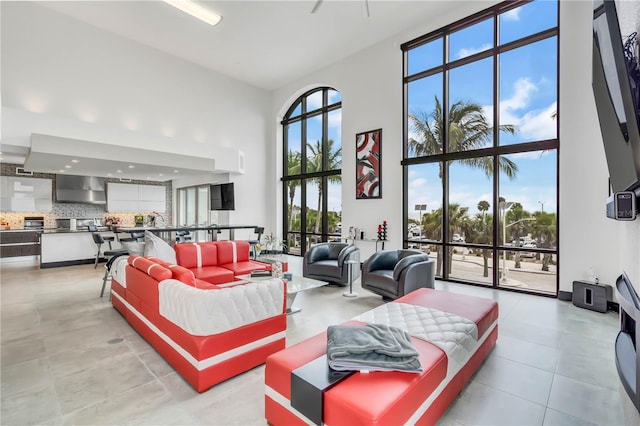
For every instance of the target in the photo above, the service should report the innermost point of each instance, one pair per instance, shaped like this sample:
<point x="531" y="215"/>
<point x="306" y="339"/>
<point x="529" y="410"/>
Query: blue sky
<point x="528" y="81"/>
<point x="527" y="100"/>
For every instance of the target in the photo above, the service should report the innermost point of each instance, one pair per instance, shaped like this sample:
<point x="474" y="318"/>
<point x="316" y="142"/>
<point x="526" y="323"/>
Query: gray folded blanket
<point x="372" y="347"/>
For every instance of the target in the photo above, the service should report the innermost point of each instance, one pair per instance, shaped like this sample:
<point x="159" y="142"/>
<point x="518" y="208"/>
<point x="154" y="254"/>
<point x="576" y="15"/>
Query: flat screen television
<point x="222" y="196"/>
<point x="616" y="89"/>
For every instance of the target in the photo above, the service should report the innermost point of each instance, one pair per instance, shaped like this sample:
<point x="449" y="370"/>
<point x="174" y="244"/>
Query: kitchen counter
<point x="67" y="230"/>
<point x="64" y="247"/>
<point x="20" y="230"/>
<point x="168" y="229"/>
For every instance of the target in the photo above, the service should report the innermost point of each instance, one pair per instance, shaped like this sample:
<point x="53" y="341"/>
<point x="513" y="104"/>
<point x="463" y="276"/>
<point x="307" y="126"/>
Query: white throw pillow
<point x="157" y="247"/>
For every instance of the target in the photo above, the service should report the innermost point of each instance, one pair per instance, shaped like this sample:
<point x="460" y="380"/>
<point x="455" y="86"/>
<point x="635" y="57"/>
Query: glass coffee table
<point x="295" y="285"/>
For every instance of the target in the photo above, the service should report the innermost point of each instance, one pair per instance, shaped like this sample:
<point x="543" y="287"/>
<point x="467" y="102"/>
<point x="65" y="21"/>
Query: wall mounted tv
<point x="222" y="197"/>
<point x="616" y="89"/>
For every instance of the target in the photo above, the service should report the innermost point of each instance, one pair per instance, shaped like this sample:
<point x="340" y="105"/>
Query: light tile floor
<point x="69" y="358"/>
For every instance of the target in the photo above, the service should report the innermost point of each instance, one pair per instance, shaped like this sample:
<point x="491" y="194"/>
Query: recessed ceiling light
<point x="160" y="174"/>
<point x="131" y="167"/>
<point x="176" y="171"/>
<point x="67" y="166"/>
<point x="75" y="161"/>
<point x="195" y="10"/>
<point x="61" y="171"/>
<point x="119" y="171"/>
<point x="108" y="174"/>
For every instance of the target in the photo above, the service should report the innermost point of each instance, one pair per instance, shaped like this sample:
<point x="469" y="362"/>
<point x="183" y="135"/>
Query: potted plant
<point x="273" y="243"/>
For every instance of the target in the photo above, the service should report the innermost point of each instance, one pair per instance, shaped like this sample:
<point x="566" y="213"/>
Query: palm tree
<point x="315" y="164"/>
<point x="468" y="129"/>
<point x="478" y="230"/>
<point x="483" y="206"/>
<point x="517" y="213"/>
<point x="433" y="228"/>
<point x="293" y="163"/>
<point x="544" y="229"/>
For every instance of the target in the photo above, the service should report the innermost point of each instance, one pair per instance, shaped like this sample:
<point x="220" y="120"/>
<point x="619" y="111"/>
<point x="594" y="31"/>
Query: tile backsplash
<point x="78" y="210"/>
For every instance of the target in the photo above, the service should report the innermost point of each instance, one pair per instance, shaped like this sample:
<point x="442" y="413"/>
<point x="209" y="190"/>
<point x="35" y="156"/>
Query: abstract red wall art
<point x="368" y="164"/>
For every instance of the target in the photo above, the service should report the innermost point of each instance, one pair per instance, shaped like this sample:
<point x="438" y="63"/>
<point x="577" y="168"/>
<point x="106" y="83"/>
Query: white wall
<point x="371" y="87"/>
<point x="587" y="237"/>
<point x="63" y="75"/>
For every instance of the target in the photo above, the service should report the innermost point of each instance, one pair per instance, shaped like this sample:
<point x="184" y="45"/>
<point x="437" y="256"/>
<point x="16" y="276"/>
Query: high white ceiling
<point x="264" y="43"/>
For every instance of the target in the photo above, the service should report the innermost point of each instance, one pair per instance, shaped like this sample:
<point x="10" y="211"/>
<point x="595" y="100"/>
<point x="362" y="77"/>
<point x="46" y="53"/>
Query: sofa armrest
<point x="204" y="312"/>
<point x="381" y="260"/>
<point x="346" y="253"/>
<point x="317" y="253"/>
<point x="406" y="262"/>
<point x="417" y="275"/>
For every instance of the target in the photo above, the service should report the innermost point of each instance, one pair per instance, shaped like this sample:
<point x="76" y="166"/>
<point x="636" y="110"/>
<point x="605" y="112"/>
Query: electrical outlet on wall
<point x="593" y="275"/>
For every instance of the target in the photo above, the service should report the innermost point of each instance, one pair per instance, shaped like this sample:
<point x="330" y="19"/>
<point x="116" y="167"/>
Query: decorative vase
<point x="276" y="270"/>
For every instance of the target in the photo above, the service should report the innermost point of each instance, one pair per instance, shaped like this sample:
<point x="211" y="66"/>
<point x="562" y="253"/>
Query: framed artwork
<point x="368" y="165"/>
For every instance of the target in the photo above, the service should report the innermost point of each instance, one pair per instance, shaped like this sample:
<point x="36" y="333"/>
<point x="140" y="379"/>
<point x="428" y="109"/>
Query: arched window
<point x="311" y="176"/>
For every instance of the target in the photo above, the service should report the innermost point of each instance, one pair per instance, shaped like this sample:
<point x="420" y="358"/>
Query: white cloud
<point x="521" y="95"/>
<point x="314" y="101"/>
<point x="463" y="198"/>
<point x="538" y="125"/>
<point x="464" y="52"/>
<point x="335" y="120"/>
<point x="512" y="15"/>
<point x="530" y="155"/>
<point x="334" y="96"/>
<point x="530" y="197"/>
<point x="418" y="183"/>
<point x="531" y="124"/>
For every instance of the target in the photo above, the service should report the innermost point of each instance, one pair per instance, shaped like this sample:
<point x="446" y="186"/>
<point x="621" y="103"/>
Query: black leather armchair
<point x="325" y="261"/>
<point x="394" y="273"/>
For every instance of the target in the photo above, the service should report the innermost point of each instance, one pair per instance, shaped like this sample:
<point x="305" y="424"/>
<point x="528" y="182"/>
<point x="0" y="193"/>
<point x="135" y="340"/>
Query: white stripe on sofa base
<point x="208" y="362"/>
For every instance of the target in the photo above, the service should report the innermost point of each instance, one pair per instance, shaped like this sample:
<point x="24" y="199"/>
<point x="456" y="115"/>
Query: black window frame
<point x="304" y="176"/>
<point x="494" y="151"/>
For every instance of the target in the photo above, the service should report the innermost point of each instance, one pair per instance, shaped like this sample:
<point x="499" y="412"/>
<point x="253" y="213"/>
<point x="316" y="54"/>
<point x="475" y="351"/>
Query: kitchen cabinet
<point x="152" y="198"/>
<point x="19" y="243"/>
<point x="25" y="194"/>
<point x="136" y="198"/>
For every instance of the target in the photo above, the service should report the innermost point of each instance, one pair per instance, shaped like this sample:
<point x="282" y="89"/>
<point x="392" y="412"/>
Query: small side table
<point x="350" y="293"/>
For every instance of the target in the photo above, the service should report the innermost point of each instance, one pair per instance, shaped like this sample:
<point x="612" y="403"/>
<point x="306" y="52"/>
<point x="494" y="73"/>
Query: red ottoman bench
<point x="453" y="333"/>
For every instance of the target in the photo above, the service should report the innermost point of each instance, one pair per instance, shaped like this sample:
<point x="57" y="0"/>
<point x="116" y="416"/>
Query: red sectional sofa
<point x="217" y="261"/>
<point x="208" y="332"/>
<point x="453" y="334"/>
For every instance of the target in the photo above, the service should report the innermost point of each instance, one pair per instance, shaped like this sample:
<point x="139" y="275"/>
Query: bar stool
<point x="183" y="236"/>
<point x="107" y="270"/>
<point x="99" y="240"/>
<point x="108" y="239"/>
<point x="133" y="236"/>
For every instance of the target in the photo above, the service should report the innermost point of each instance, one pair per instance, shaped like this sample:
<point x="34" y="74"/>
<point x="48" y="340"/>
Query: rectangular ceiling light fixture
<point x="195" y="10"/>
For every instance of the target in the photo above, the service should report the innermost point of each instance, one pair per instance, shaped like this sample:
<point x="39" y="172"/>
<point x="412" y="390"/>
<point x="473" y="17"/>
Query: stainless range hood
<point x="80" y="189"/>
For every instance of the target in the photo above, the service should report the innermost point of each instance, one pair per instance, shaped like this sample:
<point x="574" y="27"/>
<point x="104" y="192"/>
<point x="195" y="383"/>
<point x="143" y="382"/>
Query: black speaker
<point x="591" y="296"/>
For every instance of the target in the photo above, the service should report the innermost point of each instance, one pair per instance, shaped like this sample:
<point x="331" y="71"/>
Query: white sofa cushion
<point x="156" y="247"/>
<point x="118" y="270"/>
<point x="205" y="312"/>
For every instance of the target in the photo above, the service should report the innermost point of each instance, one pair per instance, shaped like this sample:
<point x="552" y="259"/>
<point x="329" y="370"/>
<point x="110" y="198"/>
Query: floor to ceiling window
<point x="481" y="191"/>
<point x="312" y="181"/>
